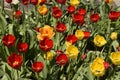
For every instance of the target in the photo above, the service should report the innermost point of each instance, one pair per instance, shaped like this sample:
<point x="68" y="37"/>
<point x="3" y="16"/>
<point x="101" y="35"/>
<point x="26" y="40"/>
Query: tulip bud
<point x="106" y="65"/>
<point x="113" y="35"/>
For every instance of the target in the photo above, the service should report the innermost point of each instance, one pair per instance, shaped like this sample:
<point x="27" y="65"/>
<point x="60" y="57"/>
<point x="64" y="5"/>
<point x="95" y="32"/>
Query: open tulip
<point x="70" y="9"/>
<point x="56" y="12"/>
<point x="9" y="40"/>
<point x="45" y="31"/>
<point x="115" y="58"/>
<point x="94" y="17"/>
<point x="42" y="10"/>
<point x="113" y="15"/>
<point x="22" y="47"/>
<point x="71" y="38"/>
<point x="15" y="60"/>
<point x="46" y="44"/>
<point x="37" y="66"/>
<point x="99" y="41"/>
<point x="72" y="51"/>
<point x="79" y="34"/>
<point x="97" y="67"/>
<point x="61" y="27"/>
<point x="79" y="19"/>
<point x="62" y="59"/>
<point x="82" y="11"/>
<point x="17" y="14"/>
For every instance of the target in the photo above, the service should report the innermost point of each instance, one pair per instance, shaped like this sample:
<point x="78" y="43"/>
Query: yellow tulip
<point x="74" y="2"/>
<point x="48" y="56"/>
<point x="110" y="1"/>
<point x="72" y="51"/>
<point x="42" y="10"/>
<point x="45" y="31"/>
<point x="97" y="67"/>
<point x="113" y="35"/>
<point x="115" y="58"/>
<point x="99" y="41"/>
<point x="79" y="34"/>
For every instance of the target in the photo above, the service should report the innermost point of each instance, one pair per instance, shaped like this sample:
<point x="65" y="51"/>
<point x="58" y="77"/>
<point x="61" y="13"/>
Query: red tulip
<point x="56" y="12"/>
<point x="15" y="60"/>
<point x="60" y="27"/>
<point x="83" y="56"/>
<point x="17" y="14"/>
<point x="71" y="9"/>
<point x="22" y="47"/>
<point x="106" y="65"/>
<point x="62" y="59"/>
<point x="82" y="11"/>
<point x="86" y="34"/>
<point x="94" y="17"/>
<point x="46" y="44"/>
<point x="71" y="38"/>
<point x="37" y="66"/>
<point x="61" y="1"/>
<point x="42" y="2"/>
<point x="25" y="2"/>
<point x="107" y="1"/>
<point x="114" y="15"/>
<point x="79" y="19"/>
<point x="8" y="1"/>
<point x="9" y="40"/>
<point x="34" y="2"/>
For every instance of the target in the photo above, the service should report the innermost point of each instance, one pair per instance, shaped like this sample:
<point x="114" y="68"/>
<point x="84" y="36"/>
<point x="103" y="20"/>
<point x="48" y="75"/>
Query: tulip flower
<point x="9" y="40"/>
<point x="15" y="60"/>
<point x="37" y="66"/>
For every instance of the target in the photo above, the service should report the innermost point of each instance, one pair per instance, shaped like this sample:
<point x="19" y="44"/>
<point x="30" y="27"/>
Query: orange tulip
<point x="45" y="31"/>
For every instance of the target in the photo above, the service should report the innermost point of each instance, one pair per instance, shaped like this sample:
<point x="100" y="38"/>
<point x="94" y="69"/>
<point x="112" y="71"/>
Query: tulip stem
<point x="17" y="77"/>
<point x="97" y="78"/>
<point x="57" y="41"/>
<point x="7" y="51"/>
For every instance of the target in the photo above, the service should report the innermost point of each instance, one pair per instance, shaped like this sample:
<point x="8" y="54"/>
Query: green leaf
<point x="10" y="26"/>
<point x="89" y="74"/>
<point x="23" y="79"/>
<point x="115" y="44"/>
<point x="3" y="20"/>
<point x="32" y="38"/>
<point x="3" y="23"/>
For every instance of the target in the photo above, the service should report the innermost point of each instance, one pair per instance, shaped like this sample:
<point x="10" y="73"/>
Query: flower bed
<point x="60" y="40"/>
